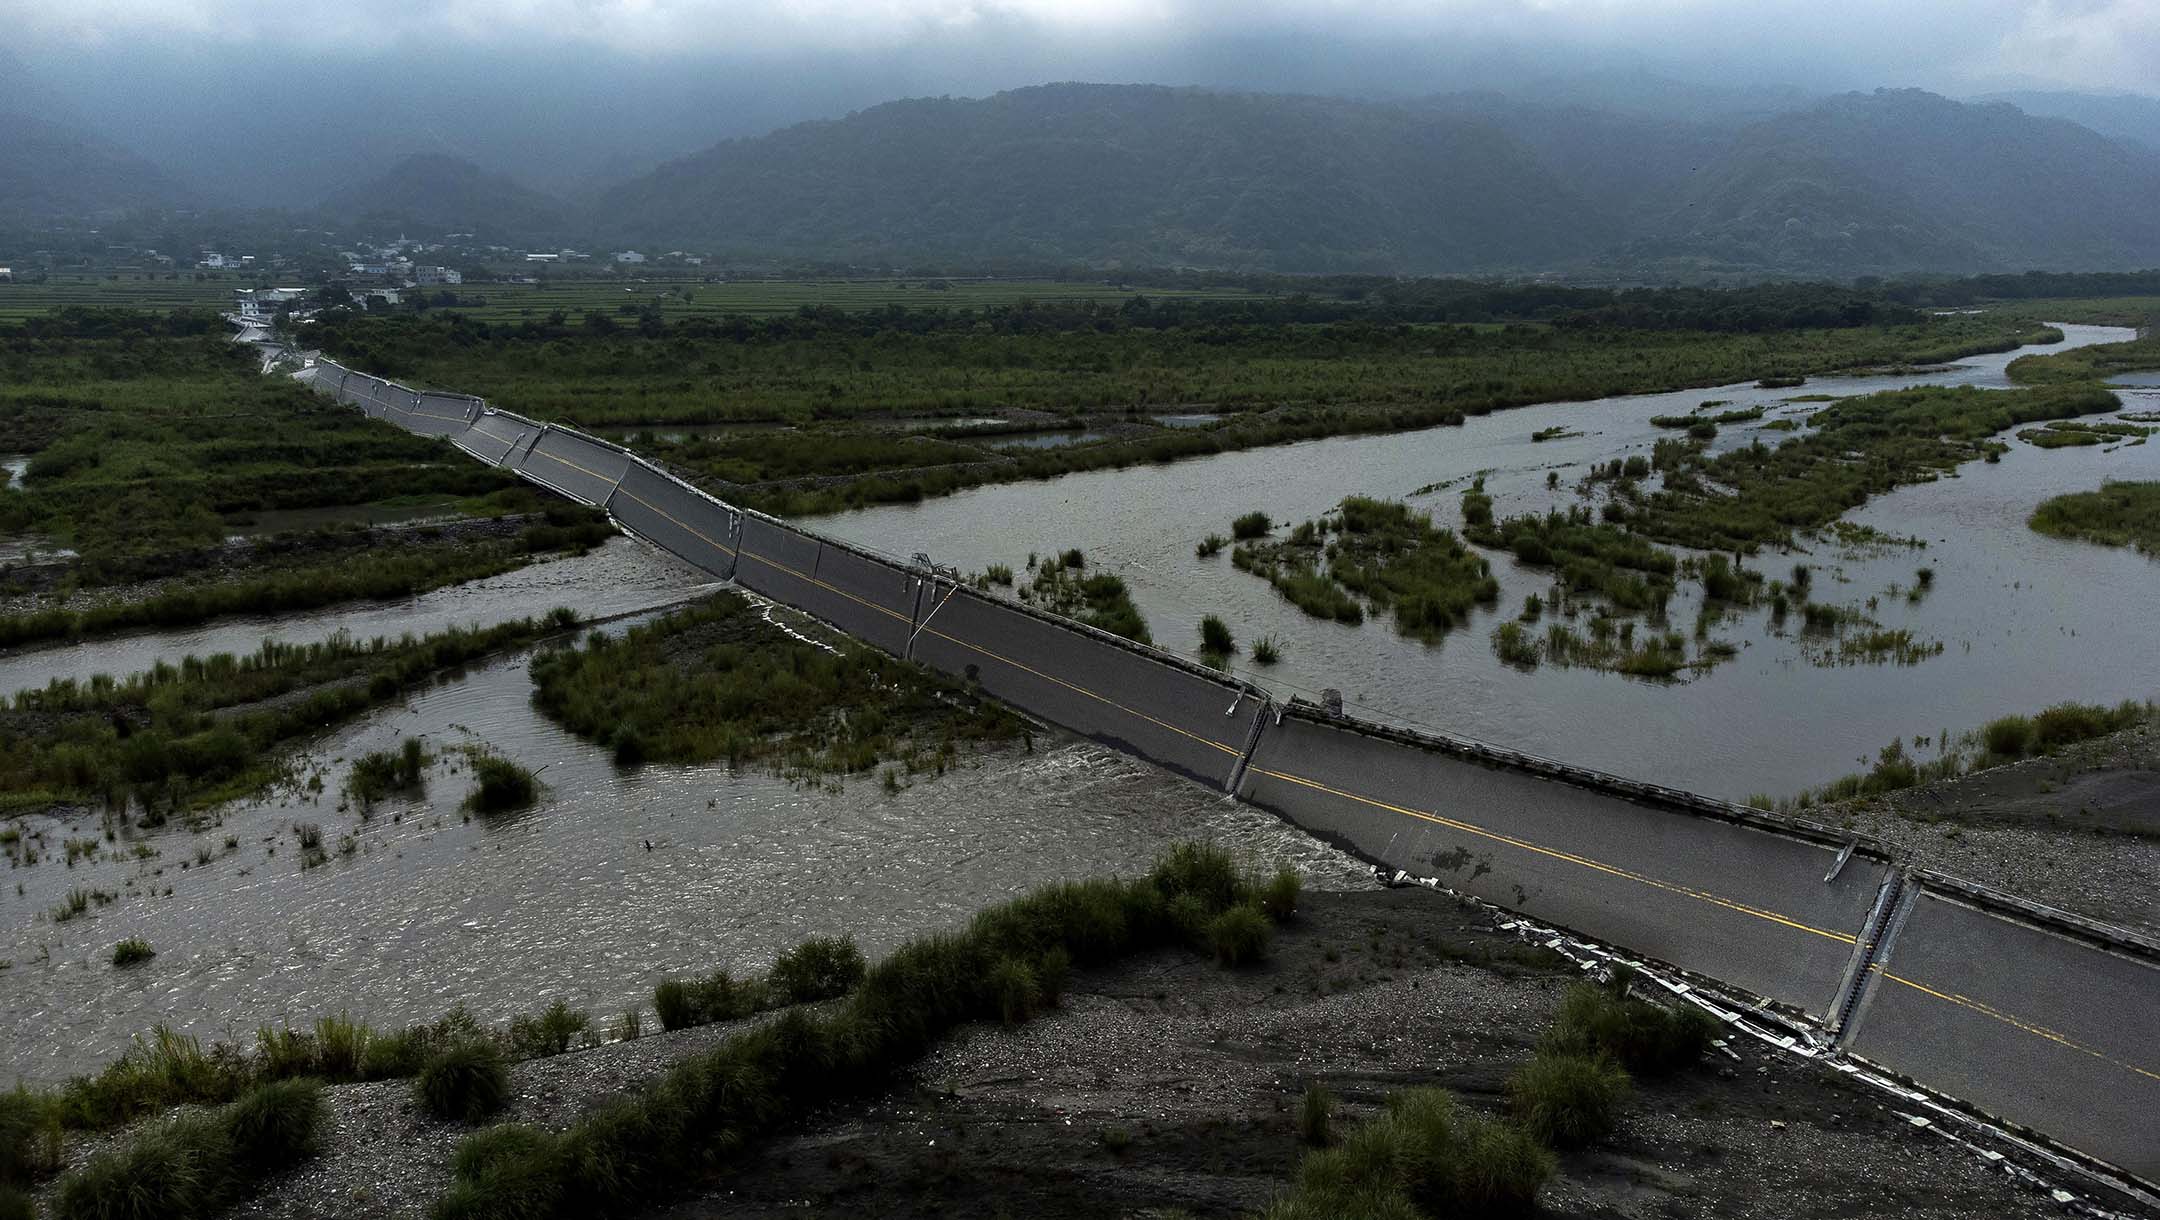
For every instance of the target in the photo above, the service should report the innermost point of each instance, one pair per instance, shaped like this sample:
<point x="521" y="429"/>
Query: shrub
<point x="132" y="951"/>
<point x="716" y="997"/>
<point x="1014" y="989"/>
<point x="821" y="968"/>
<point x="1566" y="1101"/>
<point x="1266" y="650"/>
<point x="1250" y="526"/>
<point x="194" y="1165"/>
<point x="1240" y="936"/>
<point x="275" y="1125"/>
<point x="29" y="1136"/>
<point x="1641" y="1036"/>
<point x="2009" y="736"/>
<point x="550" y="1033"/>
<point x="1279" y="897"/>
<point x="16" y="1205"/>
<point x="510" y="1172"/>
<point x="467" y="1081"/>
<point x="500" y="785"/>
<point x="1210" y="546"/>
<point x="1316" y="1117"/>
<point x="1215" y="636"/>
<point x="1422" y="1157"/>
<point x="1206" y="873"/>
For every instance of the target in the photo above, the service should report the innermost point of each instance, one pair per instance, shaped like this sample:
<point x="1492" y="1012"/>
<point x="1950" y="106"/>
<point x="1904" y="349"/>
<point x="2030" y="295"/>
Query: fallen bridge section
<point x="680" y="520"/>
<point x="2030" y="1015"/>
<point x="1773" y="907"/>
<point x="584" y="468"/>
<point x="1191" y="720"/>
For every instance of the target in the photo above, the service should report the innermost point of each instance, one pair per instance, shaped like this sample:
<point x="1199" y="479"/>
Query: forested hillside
<point x="441" y="192"/>
<point x="1888" y="182"/>
<point x="1140" y="174"/>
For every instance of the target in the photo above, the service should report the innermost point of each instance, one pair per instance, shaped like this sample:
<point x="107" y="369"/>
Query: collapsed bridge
<point x="2032" y="1016"/>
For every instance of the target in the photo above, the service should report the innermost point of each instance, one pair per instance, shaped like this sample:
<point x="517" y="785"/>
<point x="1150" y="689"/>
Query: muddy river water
<point x="621" y="878"/>
<point x="2024" y="620"/>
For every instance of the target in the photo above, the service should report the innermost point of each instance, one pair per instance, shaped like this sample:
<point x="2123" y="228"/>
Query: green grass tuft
<point x="1568" y="1100"/>
<point x="465" y="1082"/>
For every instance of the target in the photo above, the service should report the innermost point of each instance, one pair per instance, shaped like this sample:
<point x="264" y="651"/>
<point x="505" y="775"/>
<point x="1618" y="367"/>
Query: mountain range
<point x="1889" y="182"/>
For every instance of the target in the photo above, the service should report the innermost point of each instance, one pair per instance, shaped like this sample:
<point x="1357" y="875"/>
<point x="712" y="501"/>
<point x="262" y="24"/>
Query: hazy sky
<point x="286" y="101"/>
<point x="1958" y="45"/>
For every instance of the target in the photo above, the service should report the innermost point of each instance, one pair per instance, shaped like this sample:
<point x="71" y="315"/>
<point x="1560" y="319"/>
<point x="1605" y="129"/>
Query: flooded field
<point x="616" y="880"/>
<point x="2025" y="620"/>
<point x="614" y="578"/>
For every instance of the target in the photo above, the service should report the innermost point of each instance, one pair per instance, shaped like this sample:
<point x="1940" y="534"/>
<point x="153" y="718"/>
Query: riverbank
<point x="1171" y="1084"/>
<point x="2077" y="829"/>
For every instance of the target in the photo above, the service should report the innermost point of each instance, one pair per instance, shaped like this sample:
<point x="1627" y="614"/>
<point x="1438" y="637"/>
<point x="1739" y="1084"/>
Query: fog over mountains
<point x="1617" y="176"/>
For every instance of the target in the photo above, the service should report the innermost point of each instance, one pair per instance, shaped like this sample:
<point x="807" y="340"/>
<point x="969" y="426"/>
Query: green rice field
<point x="19" y="301"/>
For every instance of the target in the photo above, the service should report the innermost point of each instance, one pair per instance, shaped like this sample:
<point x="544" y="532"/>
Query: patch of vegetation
<point x="2072" y="433"/>
<point x="208" y="728"/>
<point x="2000" y="741"/>
<point x="2119" y="514"/>
<point x="1879" y="647"/>
<point x="1316" y="1117"/>
<point x="1250" y="526"/>
<point x="1568" y="1100"/>
<point x="1210" y="546"/>
<point x="1383" y="551"/>
<point x="1558" y="432"/>
<point x="1215" y="636"/>
<point x="500" y="785"/>
<point x="1609" y="644"/>
<point x="1591" y="559"/>
<point x="1266" y="650"/>
<point x="821" y="968"/>
<point x="464" y="1082"/>
<point x="132" y="951"/>
<point x="1747" y="497"/>
<point x="1647" y="1039"/>
<point x="198" y="1164"/>
<point x="381" y="773"/>
<point x="1063" y="585"/>
<point x="2095" y="362"/>
<point x="716" y="681"/>
<point x="715" y="1104"/>
<point x="1423" y="1156"/>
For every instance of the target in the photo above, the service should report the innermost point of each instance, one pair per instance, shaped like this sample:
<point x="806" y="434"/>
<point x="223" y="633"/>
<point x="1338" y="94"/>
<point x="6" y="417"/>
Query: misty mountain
<point x="1889" y="182"/>
<point x="2120" y="116"/>
<point x="1140" y="174"/>
<point x="1902" y="180"/>
<point x="432" y="192"/>
<point x="50" y="170"/>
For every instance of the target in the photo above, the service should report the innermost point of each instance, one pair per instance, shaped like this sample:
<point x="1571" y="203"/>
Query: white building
<point x="8" y="274"/>
<point x="428" y="276"/>
<point x="629" y="256"/>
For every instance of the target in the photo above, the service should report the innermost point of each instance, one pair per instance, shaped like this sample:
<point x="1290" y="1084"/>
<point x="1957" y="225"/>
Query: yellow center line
<point x="1233" y="751"/>
<point x="693" y="530"/>
<point x="2038" y="1031"/>
<point x="616" y="481"/>
<point x="1076" y="689"/>
<point x="1582" y="861"/>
